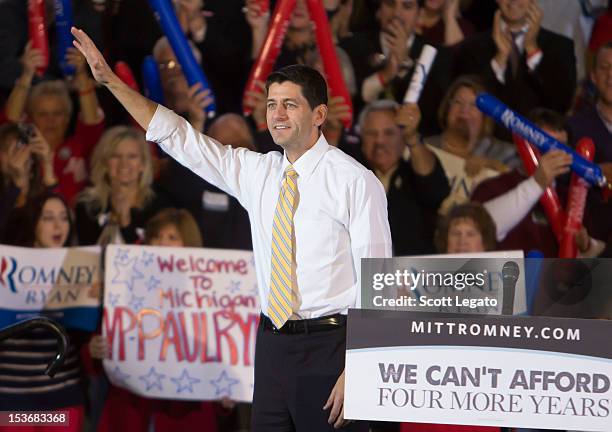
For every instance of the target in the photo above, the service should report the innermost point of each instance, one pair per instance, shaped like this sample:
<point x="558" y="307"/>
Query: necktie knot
<point x="290" y="172"/>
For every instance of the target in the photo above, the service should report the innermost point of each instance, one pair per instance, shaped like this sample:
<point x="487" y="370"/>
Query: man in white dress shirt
<point x="314" y="211"/>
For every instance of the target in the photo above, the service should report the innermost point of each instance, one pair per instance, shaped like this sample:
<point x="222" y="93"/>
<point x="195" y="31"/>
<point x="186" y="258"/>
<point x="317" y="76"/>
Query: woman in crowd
<point x="23" y="359"/>
<point x="466" y="148"/>
<point x="173" y="228"/>
<point x="467" y="228"/>
<point x="26" y="170"/>
<point x="117" y="206"/>
<point x="440" y="24"/>
<point x="49" y="107"/>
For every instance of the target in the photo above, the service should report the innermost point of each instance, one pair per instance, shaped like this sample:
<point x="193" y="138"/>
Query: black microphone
<point x="510" y="274"/>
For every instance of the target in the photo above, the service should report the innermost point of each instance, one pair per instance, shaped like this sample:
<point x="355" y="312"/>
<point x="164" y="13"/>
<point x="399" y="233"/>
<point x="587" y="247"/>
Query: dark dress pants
<point x="294" y="376"/>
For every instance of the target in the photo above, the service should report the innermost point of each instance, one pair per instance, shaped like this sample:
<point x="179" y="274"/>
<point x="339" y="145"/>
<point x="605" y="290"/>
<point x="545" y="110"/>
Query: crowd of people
<point x="76" y="170"/>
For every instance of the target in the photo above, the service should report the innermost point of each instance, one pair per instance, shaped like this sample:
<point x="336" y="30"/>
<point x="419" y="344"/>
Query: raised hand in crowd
<point x="450" y="10"/>
<point x="40" y="148"/>
<point x="256" y="101"/>
<point x="503" y="40"/>
<point x="17" y="165"/>
<point x="340" y="22"/>
<point x="198" y="101"/>
<point x="337" y="111"/>
<point x="534" y="21"/>
<point x="30" y="60"/>
<point x="258" y="21"/>
<point x="552" y="164"/>
<point x="396" y="37"/>
<point x="191" y="18"/>
<point x="452" y="30"/>
<point x="408" y="118"/>
<point x="98" y="347"/>
<point x="88" y="100"/>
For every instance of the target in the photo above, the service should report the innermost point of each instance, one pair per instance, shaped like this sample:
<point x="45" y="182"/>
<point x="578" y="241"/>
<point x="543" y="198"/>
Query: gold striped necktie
<point x="282" y="279"/>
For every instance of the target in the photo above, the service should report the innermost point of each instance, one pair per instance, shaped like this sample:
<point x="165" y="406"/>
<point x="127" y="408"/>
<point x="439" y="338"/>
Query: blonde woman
<point x="118" y="204"/>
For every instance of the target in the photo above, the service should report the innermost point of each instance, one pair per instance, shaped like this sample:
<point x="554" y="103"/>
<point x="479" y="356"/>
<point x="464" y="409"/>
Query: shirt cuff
<point x="162" y="125"/>
<point x="534" y="60"/>
<point x="371" y="88"/>
<point x="499" y="71"/>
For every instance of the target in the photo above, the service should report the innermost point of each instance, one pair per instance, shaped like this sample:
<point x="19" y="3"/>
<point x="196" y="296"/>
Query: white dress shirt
<point x="341" y="215"/>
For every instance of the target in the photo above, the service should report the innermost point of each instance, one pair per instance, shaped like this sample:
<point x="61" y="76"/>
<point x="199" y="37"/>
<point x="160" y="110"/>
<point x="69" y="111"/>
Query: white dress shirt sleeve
<point x="368" y="224"/>
<point x="509" y="209"/>
<point x="221" y="165"/>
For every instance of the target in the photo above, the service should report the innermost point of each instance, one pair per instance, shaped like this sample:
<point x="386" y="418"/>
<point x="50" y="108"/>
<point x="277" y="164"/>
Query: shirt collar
<point x="306" y="163"/>
<point x="521" y="32"/>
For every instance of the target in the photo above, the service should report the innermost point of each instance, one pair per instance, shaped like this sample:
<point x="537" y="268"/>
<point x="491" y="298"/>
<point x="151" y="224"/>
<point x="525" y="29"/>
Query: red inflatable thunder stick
<point x="550" y="199"/>
<point x="270" y="49"/>
<point x="576" y="200"/>
<point x="124" y="72"/>
<point x="38" y="31"/>
<point x="274" y="41"/>
<point x="327" y="50"/>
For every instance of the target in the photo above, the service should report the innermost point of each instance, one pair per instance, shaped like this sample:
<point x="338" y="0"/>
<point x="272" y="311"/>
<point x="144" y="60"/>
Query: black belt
<point x="325" y="323"/>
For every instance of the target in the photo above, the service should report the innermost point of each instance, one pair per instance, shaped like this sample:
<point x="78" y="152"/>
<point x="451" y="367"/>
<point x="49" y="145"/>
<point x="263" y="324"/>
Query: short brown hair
<point x="475" y="212"/>
<point x="475" y="84"/>
<point x="181" y="219"/>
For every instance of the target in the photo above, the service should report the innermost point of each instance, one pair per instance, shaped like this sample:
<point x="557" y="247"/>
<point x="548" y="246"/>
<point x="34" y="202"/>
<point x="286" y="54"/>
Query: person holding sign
<point x="23" y="385"/>
<point x="315" y="212"/>
<point x="170" y="227"/>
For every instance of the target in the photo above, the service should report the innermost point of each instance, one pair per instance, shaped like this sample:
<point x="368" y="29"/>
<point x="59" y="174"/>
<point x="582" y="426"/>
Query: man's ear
<point x="320" y="114"/>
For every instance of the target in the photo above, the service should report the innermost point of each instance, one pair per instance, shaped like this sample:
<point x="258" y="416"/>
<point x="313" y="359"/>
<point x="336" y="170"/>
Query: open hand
<point x="30" y="60"/>
<point x="99" y="68"/>
<point x="336" y="403"/>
